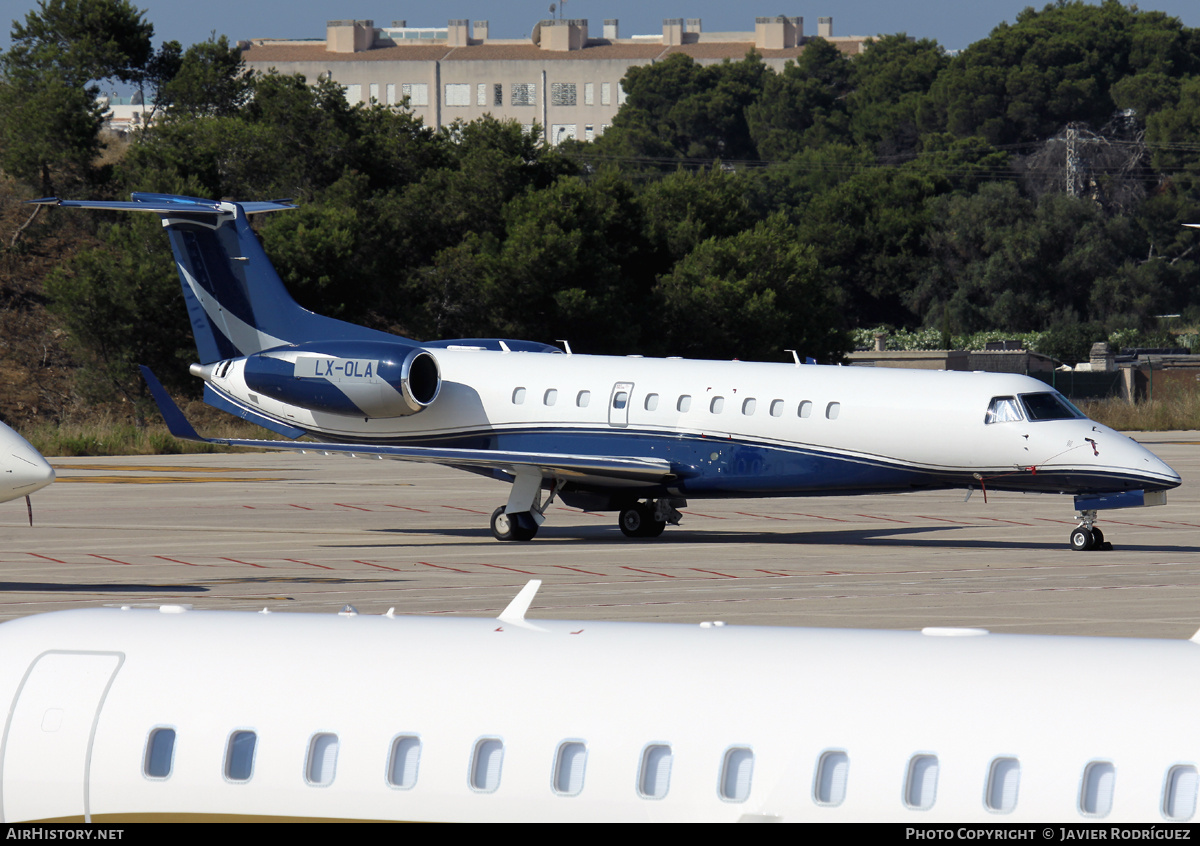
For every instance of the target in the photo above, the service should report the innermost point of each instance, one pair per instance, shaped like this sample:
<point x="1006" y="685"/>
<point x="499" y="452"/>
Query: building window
<point x="569" y="765"/>
<point x="589" y="133"/>
<point x="561" y="132"/>
<point x="589" y="93"/>
<point x="406" y="756"/>
<point x="391" y="93"/>
<point x="620" y="95"/>
<point x="416" y="92"/>
<point x="605" y="93"/>
<point x="239" y="755"/>
<point x="322" y="759"/>
<point x="832" y="773"/>
<point x="735" y="774"/>
<point x="458" y="94"/>
<point x="1003" y="780"/>
<point x="374" y="89"/>
<point x="353" y="94"/>
<point x="486" y="763"/>
<point x="562" y="93"/>
<point x="498" y="94"/>
<point x="160" y="753"/>
<point x="481" y="94"/>
<point x="654" y="780"/>
<point x="524" y="93"/>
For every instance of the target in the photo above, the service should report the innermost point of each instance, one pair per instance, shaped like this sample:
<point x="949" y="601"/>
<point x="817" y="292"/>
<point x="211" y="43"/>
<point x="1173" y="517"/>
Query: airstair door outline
<point x="618" y="404"/>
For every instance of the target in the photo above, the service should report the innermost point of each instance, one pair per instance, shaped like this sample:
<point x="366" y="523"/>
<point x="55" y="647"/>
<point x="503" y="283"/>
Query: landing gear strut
<point x="1086" y="536"/>
<point x="648" y="519"/>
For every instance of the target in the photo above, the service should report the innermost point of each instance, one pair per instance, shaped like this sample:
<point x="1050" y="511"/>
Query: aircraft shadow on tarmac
<point x="74" y="587"/>
<point x="874" y="537"/>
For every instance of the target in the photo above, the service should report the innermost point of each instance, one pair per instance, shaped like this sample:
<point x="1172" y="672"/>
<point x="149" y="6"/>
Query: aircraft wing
<point x="605" y="469"/>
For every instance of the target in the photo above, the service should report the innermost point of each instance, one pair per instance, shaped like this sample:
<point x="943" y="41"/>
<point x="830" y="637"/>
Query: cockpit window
<point x="1049" y="406"/>
<point x="1003" y="410"/>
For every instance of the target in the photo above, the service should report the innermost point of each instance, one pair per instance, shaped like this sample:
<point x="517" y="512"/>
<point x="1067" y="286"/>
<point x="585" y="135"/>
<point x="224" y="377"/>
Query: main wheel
<point x="637" y="521"/>
<point x="1082" y="539"/>
<point x="515" y="527"/>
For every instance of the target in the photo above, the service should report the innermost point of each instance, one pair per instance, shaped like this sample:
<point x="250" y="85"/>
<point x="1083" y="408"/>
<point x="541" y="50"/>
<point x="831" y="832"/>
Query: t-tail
<point x="236" y="301"/>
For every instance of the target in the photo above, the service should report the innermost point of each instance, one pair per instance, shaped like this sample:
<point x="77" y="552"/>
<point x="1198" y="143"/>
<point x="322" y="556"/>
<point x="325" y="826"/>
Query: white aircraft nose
<point x="22" y="468"/>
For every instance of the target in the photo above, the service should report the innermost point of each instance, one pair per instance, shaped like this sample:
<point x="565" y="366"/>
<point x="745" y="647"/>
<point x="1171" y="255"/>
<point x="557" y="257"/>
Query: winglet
<point x="177" y="424"/>
<point x="515" y="612"/>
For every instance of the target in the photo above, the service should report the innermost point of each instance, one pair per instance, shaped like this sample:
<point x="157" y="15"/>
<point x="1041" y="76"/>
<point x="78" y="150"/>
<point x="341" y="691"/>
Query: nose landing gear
<point x="1086" y="537"/>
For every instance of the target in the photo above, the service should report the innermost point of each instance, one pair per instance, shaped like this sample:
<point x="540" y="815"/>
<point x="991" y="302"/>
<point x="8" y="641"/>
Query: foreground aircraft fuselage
<point x="125" y="715"/>
<point x="629" y="434"/>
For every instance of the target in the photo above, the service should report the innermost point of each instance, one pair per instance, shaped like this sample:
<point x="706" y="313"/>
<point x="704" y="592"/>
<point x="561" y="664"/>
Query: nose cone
<point x="22" y="468"/>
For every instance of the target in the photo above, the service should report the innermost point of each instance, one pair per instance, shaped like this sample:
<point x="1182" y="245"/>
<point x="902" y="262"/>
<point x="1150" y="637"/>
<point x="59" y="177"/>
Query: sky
<point x="952" y="23"/>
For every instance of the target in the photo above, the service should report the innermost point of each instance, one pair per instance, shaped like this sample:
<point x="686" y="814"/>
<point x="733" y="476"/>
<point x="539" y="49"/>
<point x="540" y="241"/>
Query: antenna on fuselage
<point x="795" y="357"/>
<point x="566" y="345"/>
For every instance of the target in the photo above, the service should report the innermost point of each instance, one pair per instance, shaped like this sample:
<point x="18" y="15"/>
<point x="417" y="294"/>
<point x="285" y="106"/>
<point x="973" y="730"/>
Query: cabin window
<point x="322" y="759"/>
<point x="1179" y="796"/>
<point x="1049" y="406"/>
<point x="1096" y="795"/>
<point x="620" y="399"/>
<point x="832" y="410"/>
<point x="1004" y="778"/>
<point x="805" y="409"/>
<point x="569" y="765"/>
<point x="1003" y="410"/>
<point x="652" y="402"/>
<point x="550" y="397"/>
<point x="518" y="396"/>
<point x="833" y="770"/>
<point x="748" y="406"/>
<point x="239" y="755"/>
<point x="777" y="408"/>
<point x="406" y="756"/>
<point x="684" y="404"/>
<point x="160" y="753"/>
<point x="735" y="774"/>
<point x="485" y="764"/>
<point x="583" y="398"/>
<point x="654" y="779"/>
<point x="717" y="405"/>
<point x="921" y="788"/>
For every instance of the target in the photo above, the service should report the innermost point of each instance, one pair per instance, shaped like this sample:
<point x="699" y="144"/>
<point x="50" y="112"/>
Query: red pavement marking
<point x="1177" y="523"/>
<point x="764" y="516"/>
<point x="1052" y="520"/>
<point x="773" y="573"/>
<point x="513" y="569"/>
<point x="176" y="560"/>
<point x="715" y="573"/>
<point x="47" y="557"/>
<point x="1139" y="525"/>
<point x="380" y="566"/>
<point x="301" y="507"/>
<point x="106" y="558"/>
<point x="460" y="508"/>
<point x="873" y="517"/>
<point x="576" y="569"/>
<point x="820" y="517"/>
<point x="251" y="507"/>
<point x="698" y="514"/>
<point x="441" y="567"/>
<point x="648" y="572"/>
<point x="355" y="507"/>
<point x="944" y="520"/>
<point x="406" y="507"/>
<point x="308" y="563"/>
<point x="237" y="561"/>
<point x="998" y="520"/>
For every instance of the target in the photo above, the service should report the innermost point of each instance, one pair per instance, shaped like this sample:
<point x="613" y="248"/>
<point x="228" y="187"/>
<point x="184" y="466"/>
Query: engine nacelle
<point x="350" y="378"/>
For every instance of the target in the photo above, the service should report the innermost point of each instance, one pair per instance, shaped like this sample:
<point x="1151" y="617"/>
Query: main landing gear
<point x="646" y="519"/>
<point x="1086" y="537"/>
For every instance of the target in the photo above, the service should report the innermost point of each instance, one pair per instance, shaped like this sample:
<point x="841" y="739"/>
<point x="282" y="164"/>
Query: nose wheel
<point x="1086" y="537"/>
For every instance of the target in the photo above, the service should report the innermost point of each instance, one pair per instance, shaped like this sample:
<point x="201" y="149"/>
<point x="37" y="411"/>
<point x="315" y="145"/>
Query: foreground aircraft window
<point x="735" y="774"/>
<point x="832" y="772"/>
<point x="620" y="399"/>
<point x="1049" y="406"/>
<point x="239" y="755"/>
<point x="655" y="778"/>
<point x="831" y="410"/>
<point x="1179" y="799"/>
<point x="749" y="405"/>
<point x="551" y="397"/>
<point x="518" y="396"/>
<point x="717" y="405"/>
<point x="1096" y="797"/>
<point x="583" y="398"/>
<point x="684" y="404"/>
<point x="568" y="768"/>
<point x="485" y="764"/>
<point x="322" y="759"/>
<point x="406" y="755"/>
<point x="921" y="790"/>
<point x="805" y="409"/>
<point x="1003" y="410"/>
<point x="777" y="408"/>
<point x="1003" y="781"/>
<point x="651" y="402"/>
<point x="160" y="753"/>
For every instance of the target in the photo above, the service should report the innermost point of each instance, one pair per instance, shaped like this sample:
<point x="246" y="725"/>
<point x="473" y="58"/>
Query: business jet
<point x="133" y="714"/>
<point x="604" y="433"/>
<point x="23" y="470"/>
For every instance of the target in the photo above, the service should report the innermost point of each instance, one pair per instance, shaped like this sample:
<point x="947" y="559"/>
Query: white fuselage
<point x="588" y="721"/>
<point x="23" y="470"/>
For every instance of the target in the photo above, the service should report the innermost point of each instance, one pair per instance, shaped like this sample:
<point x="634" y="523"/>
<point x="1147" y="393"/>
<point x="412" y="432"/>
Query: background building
<point x="562" y="79"/>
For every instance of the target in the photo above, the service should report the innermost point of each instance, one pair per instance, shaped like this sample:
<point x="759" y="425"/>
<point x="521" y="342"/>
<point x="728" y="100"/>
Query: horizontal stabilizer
<point x="164" y="204"/>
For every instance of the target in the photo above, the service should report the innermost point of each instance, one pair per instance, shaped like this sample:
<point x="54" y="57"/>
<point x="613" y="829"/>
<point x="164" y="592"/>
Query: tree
<point x="209" y="78"/>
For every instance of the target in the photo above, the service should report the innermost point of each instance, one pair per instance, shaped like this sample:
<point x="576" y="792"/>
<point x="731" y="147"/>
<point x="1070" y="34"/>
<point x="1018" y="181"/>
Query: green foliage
<point x="209" y="78"/>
